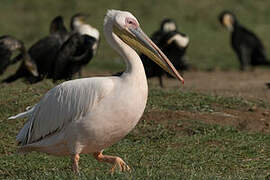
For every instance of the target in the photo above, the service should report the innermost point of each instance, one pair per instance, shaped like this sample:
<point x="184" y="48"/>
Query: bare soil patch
<point x="244" y="120"/>
<point x="250" y="84"/>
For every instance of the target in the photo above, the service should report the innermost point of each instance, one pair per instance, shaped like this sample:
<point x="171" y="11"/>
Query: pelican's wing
<point x="63" y="104"/>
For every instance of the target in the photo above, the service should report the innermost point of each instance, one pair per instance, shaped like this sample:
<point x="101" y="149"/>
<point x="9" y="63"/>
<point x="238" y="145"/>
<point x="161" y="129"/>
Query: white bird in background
<point x="88" y="115"/>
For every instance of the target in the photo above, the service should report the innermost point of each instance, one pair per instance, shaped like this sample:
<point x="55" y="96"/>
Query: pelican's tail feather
<point x="22" y="137"/>
<point x="27" y="113"/>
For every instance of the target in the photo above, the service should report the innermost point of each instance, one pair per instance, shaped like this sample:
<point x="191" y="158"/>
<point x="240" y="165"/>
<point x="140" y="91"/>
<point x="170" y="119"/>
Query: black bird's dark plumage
<point x="8" y="45"/>
<point x="57" y="28"/>
<point x="62" y="53"/>
<point x="76" y="52"/>
<point x="43" y="53"/>
<point x="268" y="85"/>
<point x="165" y="38"/>
<point x="247" y="46"/>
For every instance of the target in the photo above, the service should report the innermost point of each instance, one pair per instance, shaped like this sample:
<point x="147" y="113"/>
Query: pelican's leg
<point x="116" y="161"/>
<point x="75" y="162"/>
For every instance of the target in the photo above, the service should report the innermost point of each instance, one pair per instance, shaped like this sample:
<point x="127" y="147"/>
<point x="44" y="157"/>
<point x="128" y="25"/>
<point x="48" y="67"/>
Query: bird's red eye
<point x="130" y="21"/>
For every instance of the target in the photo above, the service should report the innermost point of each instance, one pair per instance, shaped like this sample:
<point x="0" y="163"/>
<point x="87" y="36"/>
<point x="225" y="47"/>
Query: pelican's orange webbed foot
<point x="75" y="162"/>
<point x="116" y="161"/>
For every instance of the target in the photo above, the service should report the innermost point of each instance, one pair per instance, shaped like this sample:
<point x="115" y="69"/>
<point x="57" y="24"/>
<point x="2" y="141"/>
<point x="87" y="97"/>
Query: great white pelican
<point x="88" y="115"/>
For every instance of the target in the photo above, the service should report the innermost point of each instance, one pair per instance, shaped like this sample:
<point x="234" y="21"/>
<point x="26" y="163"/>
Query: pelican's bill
<point x="137" y="39"/>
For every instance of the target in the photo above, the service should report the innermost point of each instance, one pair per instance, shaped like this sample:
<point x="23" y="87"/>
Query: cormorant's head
<point x="30" y="65"/>
<point x="227" y="19"/>
<point x="11" y="43"/>
<point x="78" y="20"/>
<point x="57" y="25"/>
<point x="168" y="25"/>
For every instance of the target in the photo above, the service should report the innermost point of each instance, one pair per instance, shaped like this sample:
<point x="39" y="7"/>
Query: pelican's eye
<point x="131" y="22"/>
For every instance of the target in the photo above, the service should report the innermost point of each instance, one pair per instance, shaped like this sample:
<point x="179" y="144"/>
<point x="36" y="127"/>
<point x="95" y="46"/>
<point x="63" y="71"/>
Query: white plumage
<point x="79" y="26"/>
<point x="181" y="41"/>
<point x="90" y="114"/>
<point x="88" y="30"/>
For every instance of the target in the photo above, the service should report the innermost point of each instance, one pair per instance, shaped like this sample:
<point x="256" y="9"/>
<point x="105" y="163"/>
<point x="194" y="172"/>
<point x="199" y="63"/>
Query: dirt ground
<point x="253" y="121"/>
<point x="249" y="85"/>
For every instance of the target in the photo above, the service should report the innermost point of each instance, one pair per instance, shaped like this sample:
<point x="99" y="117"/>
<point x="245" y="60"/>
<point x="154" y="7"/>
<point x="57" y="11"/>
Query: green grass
<point x="175" y="99"/>
<point x="157" y="152"/>
<point x="175" y="149"/>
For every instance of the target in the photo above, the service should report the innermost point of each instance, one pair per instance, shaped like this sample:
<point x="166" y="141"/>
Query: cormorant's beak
<point x="84" y="17"/>
<point x="227" y="21"/>
<point x="31" y="67"/>
<point x="136" y="38"/>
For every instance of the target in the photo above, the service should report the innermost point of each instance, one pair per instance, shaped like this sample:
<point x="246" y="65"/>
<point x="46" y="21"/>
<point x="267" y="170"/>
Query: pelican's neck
<point x="134" y="66"/>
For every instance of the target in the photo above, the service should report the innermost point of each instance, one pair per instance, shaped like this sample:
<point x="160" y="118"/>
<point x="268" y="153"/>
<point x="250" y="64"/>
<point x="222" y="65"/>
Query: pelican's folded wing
<point x="63" y="104"/>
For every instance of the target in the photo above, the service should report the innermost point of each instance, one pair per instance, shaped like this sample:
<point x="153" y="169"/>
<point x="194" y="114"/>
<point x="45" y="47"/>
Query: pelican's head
<point x="227" y="19"/>
<point x="127" y="28"/>
<point x="78" y="20"/>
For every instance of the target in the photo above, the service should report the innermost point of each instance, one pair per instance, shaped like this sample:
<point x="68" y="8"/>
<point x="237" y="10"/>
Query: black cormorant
<point x="173" y="43"/>
<point x="43" y="52"/>
<point x="8" y="45"/>
<point x="76" y="52"/>
<point x="79" y="48"/>
<point x="51" y="51"/>
<point x="246" y="44"/>
<point x="78" y="25"/>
